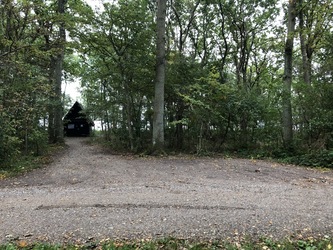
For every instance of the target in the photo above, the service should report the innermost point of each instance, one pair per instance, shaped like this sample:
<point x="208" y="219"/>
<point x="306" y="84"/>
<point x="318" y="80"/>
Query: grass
<point x="325" y="243"/>
<point x="23" y="164"/>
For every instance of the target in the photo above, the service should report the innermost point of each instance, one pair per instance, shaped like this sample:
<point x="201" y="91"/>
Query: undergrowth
<point x="322" y="159"/>
<point x="316" y="159"/>
<point x="26" y="163"/>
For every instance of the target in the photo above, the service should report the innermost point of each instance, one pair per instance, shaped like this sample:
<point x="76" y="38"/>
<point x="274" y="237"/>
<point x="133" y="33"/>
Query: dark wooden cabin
<point x="76" y="122"/>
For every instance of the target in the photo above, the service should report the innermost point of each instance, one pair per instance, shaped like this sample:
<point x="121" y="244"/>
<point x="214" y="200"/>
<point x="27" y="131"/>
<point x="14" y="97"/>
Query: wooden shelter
<point x="77" y="122"/>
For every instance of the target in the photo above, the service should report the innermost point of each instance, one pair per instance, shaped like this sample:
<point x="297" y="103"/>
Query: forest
<point x="248" y="77"/>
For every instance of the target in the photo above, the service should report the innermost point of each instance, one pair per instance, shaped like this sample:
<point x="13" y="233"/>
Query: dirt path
<point x="88" y="194"/>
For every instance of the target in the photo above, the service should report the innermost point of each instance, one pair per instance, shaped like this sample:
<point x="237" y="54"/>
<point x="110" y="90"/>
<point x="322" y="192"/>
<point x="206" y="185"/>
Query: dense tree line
<point x="240" y="75"/>
<point x="32" y="49"/>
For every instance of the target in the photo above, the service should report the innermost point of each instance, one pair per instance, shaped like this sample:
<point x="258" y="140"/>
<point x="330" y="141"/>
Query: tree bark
<point x="58" y="135"/>
<point x="287" y="122"/>
<point x="306" y="62"/>
<point x="158" y="120"/>
<point x="51" y="106"/>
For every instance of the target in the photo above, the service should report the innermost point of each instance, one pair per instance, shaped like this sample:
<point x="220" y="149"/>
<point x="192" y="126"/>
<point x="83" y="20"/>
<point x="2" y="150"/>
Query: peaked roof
<point x="77" y="113"/>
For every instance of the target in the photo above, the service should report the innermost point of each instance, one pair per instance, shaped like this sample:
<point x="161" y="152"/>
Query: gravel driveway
<point x="88" y="194"/>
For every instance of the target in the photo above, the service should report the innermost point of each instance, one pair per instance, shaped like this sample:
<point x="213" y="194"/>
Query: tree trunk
<point x="51" y="106"/>
<point x="306" y="62"/>
<point x="58" y="125"/>
<point x="286" y="96"/>
<point x="158" y="120"/>
<point x="58" y="109"/>
<point x="56" y="112"/>
<point x="306" y="69"/>
<point x="129" y="120"/>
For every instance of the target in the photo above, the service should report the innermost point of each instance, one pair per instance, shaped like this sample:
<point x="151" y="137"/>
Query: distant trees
<point x="23" y="82"/>
<point x="233" y="78"/>
<point x="118" y="61"/>
<point x="32" y="47"/>
<point x="236" y="76"/>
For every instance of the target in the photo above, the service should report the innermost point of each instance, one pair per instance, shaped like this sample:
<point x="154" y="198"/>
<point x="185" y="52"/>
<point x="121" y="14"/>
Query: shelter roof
<point x="77" y="113"/>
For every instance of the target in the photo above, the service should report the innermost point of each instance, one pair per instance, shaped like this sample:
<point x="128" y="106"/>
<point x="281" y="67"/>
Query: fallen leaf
<point x="22" y="243"/>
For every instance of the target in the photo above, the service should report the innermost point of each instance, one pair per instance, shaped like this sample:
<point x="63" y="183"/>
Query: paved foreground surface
<point x="87" y="193"/>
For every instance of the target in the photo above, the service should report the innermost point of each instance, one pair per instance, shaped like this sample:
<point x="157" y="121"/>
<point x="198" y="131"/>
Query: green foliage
<point x="21" y="164"/>
<point x="26" y="48"/>
<point x="313" y="115"/>
<point x="321" y="159"/>
<point x="24" y="163"/>
<point x="224" y="75"/>
<point x="117" y="76"/>
<point x="223" y="89"/>
<point x="9" y="142"/>
<point x="38" y="139"/>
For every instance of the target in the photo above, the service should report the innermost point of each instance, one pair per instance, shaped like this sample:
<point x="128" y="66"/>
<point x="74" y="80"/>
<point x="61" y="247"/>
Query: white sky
<point x="72" y="88"/>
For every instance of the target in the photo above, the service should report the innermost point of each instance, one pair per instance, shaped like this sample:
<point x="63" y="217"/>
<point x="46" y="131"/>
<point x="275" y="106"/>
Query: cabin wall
<point x="77" y="129"/>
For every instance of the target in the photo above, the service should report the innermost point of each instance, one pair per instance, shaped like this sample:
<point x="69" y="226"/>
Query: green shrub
<point x="9" y="143"/>
<point x="322" y="159"/>
<point x="38" y="140"/>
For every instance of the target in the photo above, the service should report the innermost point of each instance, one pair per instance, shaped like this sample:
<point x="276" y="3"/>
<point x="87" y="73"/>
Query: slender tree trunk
<point x="306" y="69"/>
<point x="129" y="120"/>
<point x="51" y="106"/>
<point x="58" y="108"/>
<point x="158" y="120"/>
<point x="58" y="125"/>
<point x="306" y="62"/>
<point x="286" y="96"/>
<point x="179" y="125"/>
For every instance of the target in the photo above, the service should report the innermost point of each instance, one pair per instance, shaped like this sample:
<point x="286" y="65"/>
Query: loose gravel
<point x="88" y="193"/>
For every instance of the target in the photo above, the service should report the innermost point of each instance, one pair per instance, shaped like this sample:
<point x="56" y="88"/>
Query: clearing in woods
<point x="88" y="193"/>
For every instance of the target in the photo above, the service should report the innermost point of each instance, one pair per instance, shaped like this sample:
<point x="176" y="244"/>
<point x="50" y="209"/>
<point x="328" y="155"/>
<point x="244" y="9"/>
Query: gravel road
<point x="89" y="194"/>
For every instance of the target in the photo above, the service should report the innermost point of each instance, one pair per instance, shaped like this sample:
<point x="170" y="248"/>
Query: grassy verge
<point x="316" y="159"/>
<point x="325" y="243"/>
<point x="27" y="163"/>
<point x="21" y="165"/>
